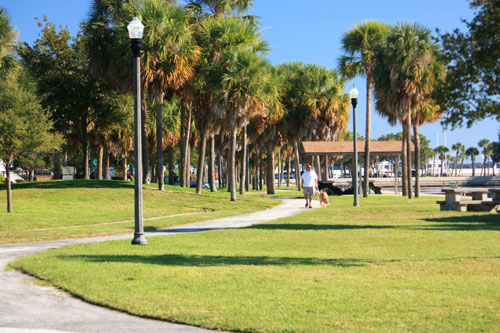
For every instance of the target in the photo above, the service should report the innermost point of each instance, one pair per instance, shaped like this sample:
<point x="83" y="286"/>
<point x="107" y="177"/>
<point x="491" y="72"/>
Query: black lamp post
<point x="354" y="176"/>
<point x="135" y="31"/>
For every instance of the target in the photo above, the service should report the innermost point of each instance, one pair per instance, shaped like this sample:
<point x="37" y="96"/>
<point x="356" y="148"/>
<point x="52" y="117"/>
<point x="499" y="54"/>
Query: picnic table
<point x="455" y="199"/>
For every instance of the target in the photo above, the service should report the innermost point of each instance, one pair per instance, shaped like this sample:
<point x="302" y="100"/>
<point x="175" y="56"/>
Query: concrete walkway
<point x="25" y="306"/>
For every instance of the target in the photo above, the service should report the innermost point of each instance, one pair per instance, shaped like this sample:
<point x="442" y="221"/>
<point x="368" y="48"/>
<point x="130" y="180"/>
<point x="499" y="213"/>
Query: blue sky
<point x="303" y="31"/>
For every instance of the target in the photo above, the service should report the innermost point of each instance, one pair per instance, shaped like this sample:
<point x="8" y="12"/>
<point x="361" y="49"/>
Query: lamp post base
<point x="139" y="239"/>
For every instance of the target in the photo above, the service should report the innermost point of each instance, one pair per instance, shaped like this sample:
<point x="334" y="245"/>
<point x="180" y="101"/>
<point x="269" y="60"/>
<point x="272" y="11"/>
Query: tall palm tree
<point x="441" y="152"/>
<point x="404" y="76"/>
<point x="459" y="148"/>
<point x="360" y="44"/>
<point x="242" y="85"/>
<point x="472" y="152"/>
<point x="484" y="145"/>
<point x="169" y="56"/>
<point x="219" y="37"/>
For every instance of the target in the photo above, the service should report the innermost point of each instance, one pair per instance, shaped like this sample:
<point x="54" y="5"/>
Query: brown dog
<point x="323" y="198"/>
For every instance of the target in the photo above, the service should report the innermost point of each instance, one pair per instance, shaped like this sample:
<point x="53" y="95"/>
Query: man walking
<point x="310" y="184"/>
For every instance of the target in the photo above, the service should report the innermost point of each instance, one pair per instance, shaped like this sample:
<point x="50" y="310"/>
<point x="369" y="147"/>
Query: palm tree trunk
<point x="171" y="168"/>
<point x="106" y="163"/>
<point x="243" y="161"/>
<point x="473" y="158"/>
<point x="367" y="135"/>
<point x="201" y="160"/>
<point x="124" y="166"/>
<point x="146" y="174"/>
<point x="417" y="160"/>
<point x="159" y="142"/>
<point x="187" y="158"/>
<point x="85" y="149"/>
<point x="270" y="170"/>
<point x="221" y="172"/>
<point x="232" y="165"/>
<point x="211" y="165"/>
<point x="99" y="162"/>
<point x="408" y="153"/>
<point x="257" y="167"/>
<point x="280" y="168"/>
<point x="404" y="183"/>
<point x="297" y="165"/>
<point x="318" y="167"/>
<point x="288" y="171"/>
<point x="260" y="171"/>
<point x="324" y="167"/>
<point x="188" y="164"/>
<point x="182" y="144"/>
<point x="396" y="171"/>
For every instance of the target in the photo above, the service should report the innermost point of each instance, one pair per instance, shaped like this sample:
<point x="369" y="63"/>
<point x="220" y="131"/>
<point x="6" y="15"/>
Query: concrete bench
<point x="462" y="205"/>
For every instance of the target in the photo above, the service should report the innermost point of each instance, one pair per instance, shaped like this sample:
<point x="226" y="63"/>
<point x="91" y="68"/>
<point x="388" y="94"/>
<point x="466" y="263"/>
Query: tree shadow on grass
<point x="300" y="226"/>
<point x="206" y="261"/>
<point x="466" y="222"/>
<point x="77" y="183"/>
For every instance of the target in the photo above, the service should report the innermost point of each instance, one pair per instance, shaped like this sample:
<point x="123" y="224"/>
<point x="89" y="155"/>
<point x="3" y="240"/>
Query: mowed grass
<point x="391" y="264"/>
<point x="77" y="208"/>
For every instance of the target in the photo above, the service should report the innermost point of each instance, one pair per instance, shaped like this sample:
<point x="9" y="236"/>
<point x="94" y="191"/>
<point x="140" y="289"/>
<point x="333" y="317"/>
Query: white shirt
<point x="309" y="178"/>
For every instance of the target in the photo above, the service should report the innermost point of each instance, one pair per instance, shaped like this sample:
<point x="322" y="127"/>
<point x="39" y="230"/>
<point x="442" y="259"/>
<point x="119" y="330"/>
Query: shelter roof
<point x="347" y="147"/>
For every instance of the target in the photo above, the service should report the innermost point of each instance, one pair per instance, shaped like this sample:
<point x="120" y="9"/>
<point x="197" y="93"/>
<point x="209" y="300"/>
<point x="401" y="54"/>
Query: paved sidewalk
<point x="28" y="307"/>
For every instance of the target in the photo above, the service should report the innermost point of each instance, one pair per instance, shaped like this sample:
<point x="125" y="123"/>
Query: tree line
<point x="207" y="84"/>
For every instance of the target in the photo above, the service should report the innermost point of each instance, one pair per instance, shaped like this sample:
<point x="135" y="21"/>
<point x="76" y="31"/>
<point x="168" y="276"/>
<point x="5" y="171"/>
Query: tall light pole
<point x="135" y="31"/>
<point x="354" y="102"/>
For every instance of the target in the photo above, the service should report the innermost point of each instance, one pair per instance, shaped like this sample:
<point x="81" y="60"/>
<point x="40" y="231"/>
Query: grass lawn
<point x="78" y="208"/>
<point x="391" y="264"/>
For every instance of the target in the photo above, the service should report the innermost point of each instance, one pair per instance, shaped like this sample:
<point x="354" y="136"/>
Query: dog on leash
<point x="323" y="198"/>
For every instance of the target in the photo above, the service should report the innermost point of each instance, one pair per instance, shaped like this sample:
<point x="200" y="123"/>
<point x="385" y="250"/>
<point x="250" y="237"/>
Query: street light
<point x="354" y="102"/>
<point x="135" y="31"/>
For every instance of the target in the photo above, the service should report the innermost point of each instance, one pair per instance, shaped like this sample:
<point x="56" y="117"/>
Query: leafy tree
<point x="360" y="43"/>
<point x="78" y="102"/>
<point x="25" y="128"/>
<point x="471" y="90"/>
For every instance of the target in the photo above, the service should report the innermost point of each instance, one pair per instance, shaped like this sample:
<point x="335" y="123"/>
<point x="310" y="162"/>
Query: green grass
<point x="392" y="264"/>
<point x="77" y="208"/>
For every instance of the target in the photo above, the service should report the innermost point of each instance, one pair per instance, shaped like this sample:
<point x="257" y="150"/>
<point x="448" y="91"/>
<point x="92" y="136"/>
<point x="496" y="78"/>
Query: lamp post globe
<point x="354" y="177"/>
<point x="135" y="30"/>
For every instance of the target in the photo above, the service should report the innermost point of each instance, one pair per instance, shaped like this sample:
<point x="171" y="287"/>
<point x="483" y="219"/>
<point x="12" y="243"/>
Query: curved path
<point x="26" y="306"/>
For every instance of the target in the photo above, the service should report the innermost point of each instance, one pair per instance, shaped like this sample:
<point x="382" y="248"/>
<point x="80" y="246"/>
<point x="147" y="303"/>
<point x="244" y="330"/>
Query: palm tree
<point x="242" y="84"/>
<point x="220" y="7"/>
<point x="169" y="56"/>
<point x="441" y="152"/>
<point x="484" y="145"/>
<point x="459" y="150"/>
<point x="219" y="37"/>
<point x="8" y="37"/>
<point x="360" y="44"/>
<point x="472" y="152"/>
<point x="404" y="77"/>
<point x="490" y="148"/>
